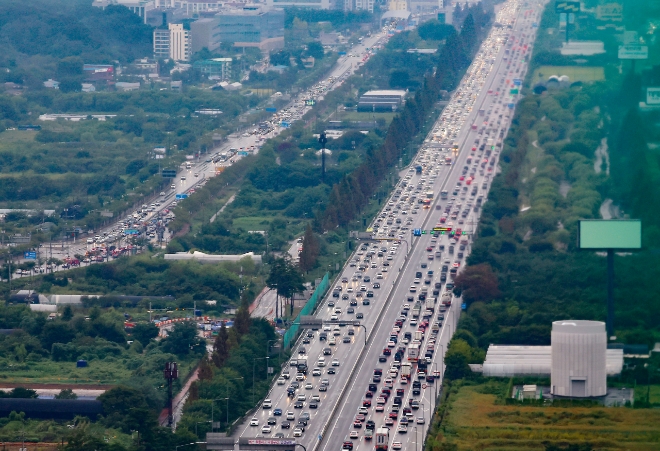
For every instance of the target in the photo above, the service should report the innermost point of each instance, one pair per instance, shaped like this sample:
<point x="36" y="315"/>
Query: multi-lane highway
<point x="402" y="270"/>
<point x="196" y="172"/>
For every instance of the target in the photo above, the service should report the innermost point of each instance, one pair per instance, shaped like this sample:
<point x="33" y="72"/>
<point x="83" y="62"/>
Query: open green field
<point x="106" y="371"/>
<point x="476" y="421"/>
<point x="575" y="73"/>
<point x="253" y="222"/>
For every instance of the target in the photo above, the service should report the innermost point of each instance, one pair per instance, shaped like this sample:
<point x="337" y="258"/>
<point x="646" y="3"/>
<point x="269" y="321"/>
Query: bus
<point x="429" y="194"/>
<point x="443" y="194"/>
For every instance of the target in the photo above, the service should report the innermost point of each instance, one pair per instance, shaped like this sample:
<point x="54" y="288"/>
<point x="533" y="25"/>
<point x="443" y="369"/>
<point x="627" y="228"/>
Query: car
<point x="281" y="381"/>
<point x="267" y="404"/>
<point x="331" y="371"/>
<point x="346" y="339"/>
<point x="290" y="416"/>
<point x="335" y="362"/>
<point x="266" y="429"/>
<point x="309" y="386"/>
<point x="297" y="432"/>
<point x="254" y="422"/>
<point x="279" y="435"/>
<point x="323" y="388"/>
<point x="347" y="446"/>
<point x="420" y="420"/>
<point x="397" y="445"/>
<point x="354" y="434"/>
<point x="298" y="405"/>
<point x="402" y="429"/>
<point x="271" y="421"/>
<point x="277" y="412"/>
<point x="357" y="424"/>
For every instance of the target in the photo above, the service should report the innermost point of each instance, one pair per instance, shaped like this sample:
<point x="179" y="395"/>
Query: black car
<point x="351" y="332"/>
<point x="350" y="310"/>
<point x="335" y="294"/>
<point x="382" y="358"/>
<point x="376" y="378"/>
<point x="272" y="420"/>
<point x="302" y="422"/>
<point x="306" y="340"/>
<point x="298" y="405"/>
<point x="359" y="315"/>
<point x="344" y="296"/>
<point x="331" y="371"/>
<point x="286" y="425"/>
<point x="373" y="388"/>
<point x="353" y="302"/>
<point x="376" y="285"/>
<point x="323" y="336"/>
<point x="366" y="301"/>
<point x="313" y="405"/>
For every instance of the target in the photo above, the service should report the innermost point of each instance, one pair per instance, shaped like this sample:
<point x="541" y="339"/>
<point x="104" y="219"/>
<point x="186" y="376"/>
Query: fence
<point x="290" y="335"/>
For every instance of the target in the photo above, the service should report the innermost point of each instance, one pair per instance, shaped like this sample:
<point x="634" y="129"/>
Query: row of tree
<point x="353" y="191"/>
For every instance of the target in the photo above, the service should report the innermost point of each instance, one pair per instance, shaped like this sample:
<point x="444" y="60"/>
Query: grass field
<point x="107" y="371"/>
<point x="253" y="222"/>
<point x="475" y="421"/>
<point x="575" y="73"/>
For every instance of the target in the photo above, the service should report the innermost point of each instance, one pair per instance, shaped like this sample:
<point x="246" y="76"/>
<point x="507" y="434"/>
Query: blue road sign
<point x="463" y="306"/>
<point x="285" y="124"/>
<point x="181" y="196"/>
<point x="271" y="110"/>
<point x="30" y="255"/>
<point x="511" y="105"/>
<point x="242" y="154"/>
<point x="417" y="232"/>
<point x="517" y="81"/>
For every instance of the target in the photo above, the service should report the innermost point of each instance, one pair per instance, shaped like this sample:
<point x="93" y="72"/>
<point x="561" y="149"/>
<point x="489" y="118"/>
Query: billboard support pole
<point x="610" y="293"/>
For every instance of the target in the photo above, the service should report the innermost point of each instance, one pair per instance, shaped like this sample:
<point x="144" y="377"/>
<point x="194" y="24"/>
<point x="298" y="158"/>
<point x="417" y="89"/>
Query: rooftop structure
<point x="381" y="100"/>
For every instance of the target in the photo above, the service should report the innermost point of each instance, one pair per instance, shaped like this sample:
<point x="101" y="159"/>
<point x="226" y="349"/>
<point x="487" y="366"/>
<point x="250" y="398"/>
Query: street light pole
<point x="416" y="439"/>
<point x="227" y="398"/>
<point x="254" y="362"/>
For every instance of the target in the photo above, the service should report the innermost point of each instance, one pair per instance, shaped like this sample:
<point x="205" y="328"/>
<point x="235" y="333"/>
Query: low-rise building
<point x="215" y="69"/>
<point x="385" y="100"/>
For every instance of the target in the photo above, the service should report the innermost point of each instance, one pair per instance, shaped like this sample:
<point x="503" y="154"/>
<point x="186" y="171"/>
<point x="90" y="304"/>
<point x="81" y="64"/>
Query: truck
<point x="406" y="370"/>
<point x="443" y="194"/>
<point x="413" y="352"/>
<point x="446" y="298"/>
<point x="418" y="169"/>
<point x="382" y="439"/>
<point x="416" y="310"/>
<point x="419" y="335"/>
<point x="302" y="365"/>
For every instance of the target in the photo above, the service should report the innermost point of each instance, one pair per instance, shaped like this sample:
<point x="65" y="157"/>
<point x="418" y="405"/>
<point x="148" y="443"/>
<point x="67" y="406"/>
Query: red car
<point x="387" y="351"/>
<point x="369" y="395"/>
<point x="366" y="402"/>
<point x="357" y="424"/>
<point x="393" y="415"/>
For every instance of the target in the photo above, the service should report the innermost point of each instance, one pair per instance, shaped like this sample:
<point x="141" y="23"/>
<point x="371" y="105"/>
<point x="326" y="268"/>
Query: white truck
<point x="413" y="352"/>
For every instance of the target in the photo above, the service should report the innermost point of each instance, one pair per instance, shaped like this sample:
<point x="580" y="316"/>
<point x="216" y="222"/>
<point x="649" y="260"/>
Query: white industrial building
<point x="577" y="361"/>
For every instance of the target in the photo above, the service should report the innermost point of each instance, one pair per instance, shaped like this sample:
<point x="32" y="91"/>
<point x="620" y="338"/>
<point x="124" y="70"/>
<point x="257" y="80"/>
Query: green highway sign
<point x="514" y="91"/>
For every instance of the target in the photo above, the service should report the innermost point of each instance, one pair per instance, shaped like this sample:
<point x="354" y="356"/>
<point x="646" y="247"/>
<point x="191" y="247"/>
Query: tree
<point x="119" y="404"/>
<point x="66" y="393"/>
<point x="183" y="339"/>
<point x="242" y="321"/>
<point x="144" y="332"/>
<point x="205" y="372"/>
<point x="221" y="347"/>
<point x="478" y="283"/>
<point x="310" y="250"/>
<point x="285" y="278"/>
<point x="67" y="313"/>
<point x="315" y="49"/>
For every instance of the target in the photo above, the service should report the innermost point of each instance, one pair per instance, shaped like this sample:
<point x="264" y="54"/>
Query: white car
<point x="254" y="422"/>
<point x="281" y="381"/>
<point x="267" y="404"/>
<point x="335" y="362"/>
<point x="266" y="429"/>
<point x="297" y="432"/>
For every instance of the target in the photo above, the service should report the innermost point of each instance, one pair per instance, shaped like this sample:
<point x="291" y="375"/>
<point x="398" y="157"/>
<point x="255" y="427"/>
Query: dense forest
<point x="34" y="38"/>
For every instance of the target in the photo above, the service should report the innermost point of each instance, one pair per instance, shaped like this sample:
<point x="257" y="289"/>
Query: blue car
<point x="277" y="412"/>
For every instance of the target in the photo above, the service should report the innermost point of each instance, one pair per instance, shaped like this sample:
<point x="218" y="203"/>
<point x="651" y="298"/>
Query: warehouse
<point x="381" y="101"/>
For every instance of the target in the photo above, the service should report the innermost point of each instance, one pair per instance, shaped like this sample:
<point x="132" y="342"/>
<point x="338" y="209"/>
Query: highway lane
<point x="343" y="421"/>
